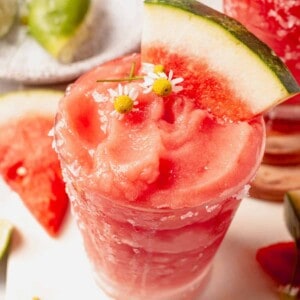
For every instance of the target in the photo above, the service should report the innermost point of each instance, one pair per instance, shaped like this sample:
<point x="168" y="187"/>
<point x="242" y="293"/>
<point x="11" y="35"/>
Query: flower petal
<point x="177" y="80"/>
<point x="147" y="90"/>
<point x="170" y="75"/>
<point x="153" y="75"/>
<point x="125" y="90"/>
<point x="112" y="93"/>
<point x="133" y="94"/>
<point x="177" y="89"/>
<point x="162" y="75"/>
<point x="146" y="68"/>
<point x="120" y="89"/>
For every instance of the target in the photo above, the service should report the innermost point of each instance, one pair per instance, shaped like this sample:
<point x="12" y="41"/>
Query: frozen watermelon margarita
<point x="157" y="148"/>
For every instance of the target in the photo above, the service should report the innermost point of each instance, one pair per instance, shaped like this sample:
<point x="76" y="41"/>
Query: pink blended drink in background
<point x="157" y="149"/>
<point x="277" y="23"/>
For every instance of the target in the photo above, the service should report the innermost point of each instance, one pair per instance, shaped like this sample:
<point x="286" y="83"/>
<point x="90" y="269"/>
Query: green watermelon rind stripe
<point x="240" y="33"/>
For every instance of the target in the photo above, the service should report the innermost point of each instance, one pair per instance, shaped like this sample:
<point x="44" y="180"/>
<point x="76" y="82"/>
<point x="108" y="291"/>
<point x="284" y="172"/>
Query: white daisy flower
<point x="123" y="99"/>
<point x="161" y="84"/>
<point x="148" y="68"/>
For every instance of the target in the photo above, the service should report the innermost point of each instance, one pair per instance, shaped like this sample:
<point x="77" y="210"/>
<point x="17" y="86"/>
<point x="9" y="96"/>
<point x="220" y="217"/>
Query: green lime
<point x="292" y="213"/>
<point x="5" y="235"/>
<point x="55" y="24"/>
<point x="8" y="12"/>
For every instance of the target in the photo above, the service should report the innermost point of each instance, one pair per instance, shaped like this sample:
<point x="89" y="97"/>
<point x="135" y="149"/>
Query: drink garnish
<point x="131" y="76"/>
<point x="161" y="84"/>
<point x="123" y="99"/>
<point x="156" y="80"/>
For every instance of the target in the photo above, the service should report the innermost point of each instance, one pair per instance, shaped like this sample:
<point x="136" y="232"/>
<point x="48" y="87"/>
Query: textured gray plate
<point x="115" y="32"/>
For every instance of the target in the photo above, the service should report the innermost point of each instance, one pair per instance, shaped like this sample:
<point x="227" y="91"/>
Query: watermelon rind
<point x="258" y="76"/>
<point x="17" y="103"/>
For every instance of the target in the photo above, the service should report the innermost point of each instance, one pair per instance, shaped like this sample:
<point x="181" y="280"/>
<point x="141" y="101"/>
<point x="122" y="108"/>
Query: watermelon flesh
<point x="155" y="192"/>
<point x="207" y="85"/>
<point x="30" y="167"/>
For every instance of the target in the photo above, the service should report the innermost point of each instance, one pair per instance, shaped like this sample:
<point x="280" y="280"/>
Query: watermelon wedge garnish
<point x="226" y="69"/>
<point x="28" y="163"/>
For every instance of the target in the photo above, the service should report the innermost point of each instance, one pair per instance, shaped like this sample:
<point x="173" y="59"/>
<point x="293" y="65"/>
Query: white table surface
<point x="57" y="269"/>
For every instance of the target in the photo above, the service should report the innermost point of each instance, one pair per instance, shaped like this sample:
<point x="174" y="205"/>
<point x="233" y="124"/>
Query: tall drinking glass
<point x="152" y="206"/>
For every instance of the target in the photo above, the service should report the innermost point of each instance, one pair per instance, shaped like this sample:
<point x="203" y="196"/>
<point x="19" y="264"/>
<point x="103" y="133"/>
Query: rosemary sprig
<point x="131" y="76"/>
<point x="121" y="79"/>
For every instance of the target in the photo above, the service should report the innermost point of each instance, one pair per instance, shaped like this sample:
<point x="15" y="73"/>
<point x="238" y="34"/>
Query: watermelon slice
<point x="28" y="163"/>
<point x="217" y="57"/>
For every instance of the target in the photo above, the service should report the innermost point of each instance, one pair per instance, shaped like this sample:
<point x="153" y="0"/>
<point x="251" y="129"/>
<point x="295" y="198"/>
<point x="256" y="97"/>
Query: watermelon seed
<point x="17" y="171"/>
<point x="21" y="171"/>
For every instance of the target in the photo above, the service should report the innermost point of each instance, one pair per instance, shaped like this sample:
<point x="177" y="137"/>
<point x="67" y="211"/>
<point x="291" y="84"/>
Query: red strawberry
<point x="279" y="261"/>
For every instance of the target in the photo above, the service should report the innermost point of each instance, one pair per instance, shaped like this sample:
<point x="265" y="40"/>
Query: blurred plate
<point x="116" y="31"/>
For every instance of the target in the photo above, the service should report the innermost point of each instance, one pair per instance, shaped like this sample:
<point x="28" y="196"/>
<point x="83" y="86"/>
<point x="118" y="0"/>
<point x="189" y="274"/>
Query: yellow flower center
<point x="123" y="104"/>
<point x="162" y="87"/>
<point x="159" y="69"/>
